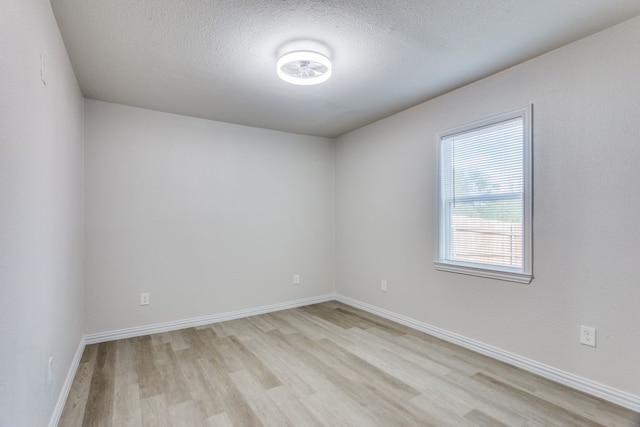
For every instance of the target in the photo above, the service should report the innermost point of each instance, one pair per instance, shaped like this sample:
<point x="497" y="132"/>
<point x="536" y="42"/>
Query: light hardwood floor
<point x="321" y="365"/>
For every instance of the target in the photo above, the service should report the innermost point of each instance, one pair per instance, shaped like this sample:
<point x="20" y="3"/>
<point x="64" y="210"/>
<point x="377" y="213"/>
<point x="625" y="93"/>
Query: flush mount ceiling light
<point x="304" y="67"/>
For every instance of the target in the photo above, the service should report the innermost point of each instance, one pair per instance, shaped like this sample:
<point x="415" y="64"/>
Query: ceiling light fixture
<point x="304" y="67"/>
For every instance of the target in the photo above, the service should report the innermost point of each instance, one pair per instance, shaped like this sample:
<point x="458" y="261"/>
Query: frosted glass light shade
<point x="304" y="68"/>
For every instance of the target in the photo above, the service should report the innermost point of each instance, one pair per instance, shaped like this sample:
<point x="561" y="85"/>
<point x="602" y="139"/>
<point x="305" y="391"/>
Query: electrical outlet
<point x="144" y="298"/>
<point x="383" y="286"/>
<point x="296" y="279"/>
<point x="588" y="336"/>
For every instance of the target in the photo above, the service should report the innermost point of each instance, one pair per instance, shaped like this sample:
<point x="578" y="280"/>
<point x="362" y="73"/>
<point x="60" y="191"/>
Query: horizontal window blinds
<point x="482" y="187"/>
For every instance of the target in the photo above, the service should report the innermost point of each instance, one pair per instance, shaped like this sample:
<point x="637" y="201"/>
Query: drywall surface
<point x="586" y="103"/>
<point x="41" y="296"/>
<point x="207" y="217"/>
<point x="216" y="59"/>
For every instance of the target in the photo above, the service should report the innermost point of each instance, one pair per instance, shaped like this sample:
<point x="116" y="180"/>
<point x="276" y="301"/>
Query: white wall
<point x="208" y="217"/>
<point x="41" y="298"/>
<point x="586" y="100"/>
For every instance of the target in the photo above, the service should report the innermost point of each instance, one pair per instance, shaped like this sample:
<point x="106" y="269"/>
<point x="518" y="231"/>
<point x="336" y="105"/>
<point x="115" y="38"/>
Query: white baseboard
<point x="164" y="327"/>
<point x="199" y="321"/>
<point x="602" y="391"/>
<point x="66" y="387"/>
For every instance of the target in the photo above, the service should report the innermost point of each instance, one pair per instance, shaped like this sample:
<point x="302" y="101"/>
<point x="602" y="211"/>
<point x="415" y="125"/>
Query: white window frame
<point x="520" y="275"/>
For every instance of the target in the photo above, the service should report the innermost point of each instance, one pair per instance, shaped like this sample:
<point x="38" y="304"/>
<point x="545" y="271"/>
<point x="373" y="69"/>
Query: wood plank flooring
<point x="322" y="365"/>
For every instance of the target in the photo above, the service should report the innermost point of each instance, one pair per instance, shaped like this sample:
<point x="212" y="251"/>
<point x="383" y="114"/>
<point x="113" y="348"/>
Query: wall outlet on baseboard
<point x="296" y="279"/>
<point x="588" y="336"/>
<point x="144" y="298"/>
<point x="383" y="286"/>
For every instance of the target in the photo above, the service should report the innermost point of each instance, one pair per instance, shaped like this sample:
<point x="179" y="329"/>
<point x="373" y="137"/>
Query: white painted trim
<point x="199" y="321"/>
<point x="482" y="272"/>
<point x="66" y="387"/>
<point x="602" y="391"/>
<point x="440" y="244"/>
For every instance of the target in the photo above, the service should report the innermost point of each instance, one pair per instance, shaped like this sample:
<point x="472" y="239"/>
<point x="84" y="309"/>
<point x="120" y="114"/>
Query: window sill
<point x="509" y="276"/>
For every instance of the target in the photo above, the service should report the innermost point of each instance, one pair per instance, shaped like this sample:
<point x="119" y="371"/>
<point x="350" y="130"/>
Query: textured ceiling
<point x="215" y="59"/>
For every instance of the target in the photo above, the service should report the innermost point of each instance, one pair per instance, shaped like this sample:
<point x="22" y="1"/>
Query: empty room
<point x="319" y="213"/>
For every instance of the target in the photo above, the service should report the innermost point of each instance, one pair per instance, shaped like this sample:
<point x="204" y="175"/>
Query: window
<point x="484" y="198"/>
